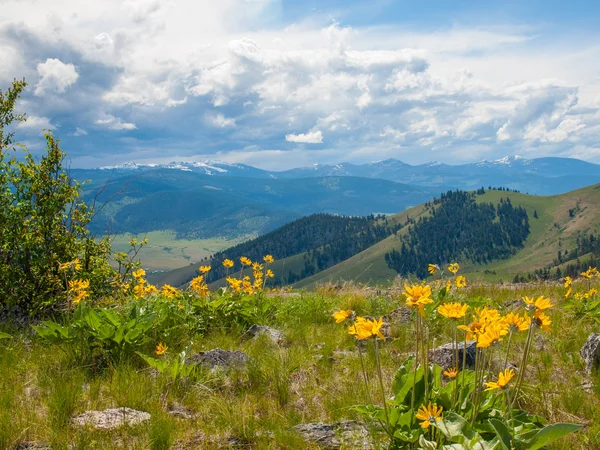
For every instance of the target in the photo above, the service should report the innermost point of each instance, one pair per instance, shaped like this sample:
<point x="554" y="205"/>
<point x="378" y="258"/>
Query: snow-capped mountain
<point x="544" y="176"/>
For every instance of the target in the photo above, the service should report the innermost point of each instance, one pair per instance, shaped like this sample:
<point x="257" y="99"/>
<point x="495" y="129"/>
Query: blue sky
<point x="279" y="83"/>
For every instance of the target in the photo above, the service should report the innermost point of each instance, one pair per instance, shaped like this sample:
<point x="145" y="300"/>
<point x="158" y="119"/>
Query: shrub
<point x="42" y="224"/>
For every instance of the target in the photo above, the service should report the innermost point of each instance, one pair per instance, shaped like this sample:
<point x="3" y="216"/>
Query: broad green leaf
<point x="5" y="336"/>
<point x="549" y="434"/>
<point x="503" y="433"/>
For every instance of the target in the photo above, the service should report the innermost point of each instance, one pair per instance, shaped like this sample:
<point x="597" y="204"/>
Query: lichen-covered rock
<point x="275" y="336"/>
<point x="219" y="358"/>
<point x="347" y="434"/>
<point x="590" y="352"/>
<point x="111" y="418"/>
<point x="443" y="355"/>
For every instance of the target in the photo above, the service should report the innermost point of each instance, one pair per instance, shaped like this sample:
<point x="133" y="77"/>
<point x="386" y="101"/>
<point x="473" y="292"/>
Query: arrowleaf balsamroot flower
<point x="429" y="414"/>
<point x="453" y="310"/>
<point x="169" y="291"/>
<point x="342" y="315"/>
<point x="453" y="267"/>
<point x="516" y="322"/>
<point x="451" y="373"/>
<point x="245" y="261"/>
<point x="268" y="259"/>
<point x="228" y="263"/>
<point x="568" y="281"/>
<point x="417" y="296"/>
<point x="460" y="282"/>
<point x="492" y="335"/>
<point x="205" y="269"/>
<point x="542" y="320"/>
<point x="364" y="329"/>
<point x="432" y="268"/>
<point x="503" y="380"/>
<point x="541" y="303"/>
<point x="161" y="349"/>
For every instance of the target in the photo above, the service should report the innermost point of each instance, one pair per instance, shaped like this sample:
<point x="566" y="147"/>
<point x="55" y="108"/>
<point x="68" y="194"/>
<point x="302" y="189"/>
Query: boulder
<point x="347" y="434"/>
<point x="219" y="358"/>
<point x="111" y="418"/>
<point x="275" y="336"/>
<point x="590" y="352"/>
<point x="443" y="355"/>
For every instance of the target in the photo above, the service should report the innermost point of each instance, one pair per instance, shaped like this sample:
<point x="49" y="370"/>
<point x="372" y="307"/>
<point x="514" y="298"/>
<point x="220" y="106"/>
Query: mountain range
<point x="540" y="176"/>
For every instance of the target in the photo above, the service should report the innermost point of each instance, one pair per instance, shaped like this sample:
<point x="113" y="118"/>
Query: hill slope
<point x="561" y="220"/>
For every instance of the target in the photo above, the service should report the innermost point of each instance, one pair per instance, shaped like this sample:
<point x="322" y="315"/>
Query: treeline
<point x="460" y="229"/>
<point x="586" y="245"/>
<point x="328" y="239"/>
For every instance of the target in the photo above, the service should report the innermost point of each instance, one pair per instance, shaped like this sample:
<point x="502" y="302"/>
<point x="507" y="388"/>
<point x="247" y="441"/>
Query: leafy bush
<point x="42" y="224"/>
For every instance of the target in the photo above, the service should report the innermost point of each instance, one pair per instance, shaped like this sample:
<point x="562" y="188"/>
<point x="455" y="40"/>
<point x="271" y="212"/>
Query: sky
<point x="283" y="83"/>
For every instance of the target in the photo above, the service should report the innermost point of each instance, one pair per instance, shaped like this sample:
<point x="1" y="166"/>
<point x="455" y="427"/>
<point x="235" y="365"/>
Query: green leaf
<point x="549" y="434"/>
<point x="5" y="336"/>
<point x="502" y="432"/>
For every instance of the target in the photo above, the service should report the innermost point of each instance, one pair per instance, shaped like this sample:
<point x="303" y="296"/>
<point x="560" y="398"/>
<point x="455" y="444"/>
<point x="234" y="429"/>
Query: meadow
<point x="135" y="350"/>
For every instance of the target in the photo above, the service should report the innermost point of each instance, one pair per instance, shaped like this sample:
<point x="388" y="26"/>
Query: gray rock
<point x="32" y="446"/>
<point x="111" y="418"/>
<point x="181" y="412"/>
<point x="275" y="336"/>
<point x="590" y="352"/>
<point x="219" y="358"/>
<point x="443" y="355"/>
<point x="347" y="434"/>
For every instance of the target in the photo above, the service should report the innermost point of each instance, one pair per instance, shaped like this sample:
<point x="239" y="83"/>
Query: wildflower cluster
<point x="458" y="281"/>
<point x="244" y="284"/>
<point x="141" y="287"/>
<point x="78" y="290"/>
<point x="583" y="302"/>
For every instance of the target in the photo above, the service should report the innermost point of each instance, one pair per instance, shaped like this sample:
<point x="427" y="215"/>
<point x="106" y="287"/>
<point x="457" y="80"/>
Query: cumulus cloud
<point x="238" y="74"/>
<point x="80" y="132"/>
<point x="55" y="76"/>
<point x="36" y="124"/>
<point x="220" y="121"/>
<point x="312" y="137"/>
<point x="114" y="123"/>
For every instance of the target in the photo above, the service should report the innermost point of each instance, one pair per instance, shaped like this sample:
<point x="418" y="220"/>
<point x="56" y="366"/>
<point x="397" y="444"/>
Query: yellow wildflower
<point x="568" y="281"/>
<point x="270" y="273"/>
<point x="161" y="349"/>
<point x="453" y="267"/>
<point x="429" y="414"/>
<point x="453" y="310"/>
<point x="541" y="303"/>
<point x="268" y="259"/>
<point x="140" y="273"/>
<point x="234" y="284"/>
<point x="245" y="261"/>
<point x="205" y="269"/>
<point x="75" y="265"/>
<point x="492" y="335"/>
<point x="169" y="291"/>
<point x="460" y="282"/>
<point x="342" y="315"/>
<point x="417" y="296"/>
<point x="542" y="320"/>
<point x="451" y="373"/>
<point x="228" y="263"/>
<point x="364" y="329"/>
<point x="432" y="268"/>
<point x="568" y="293"/>
<point x="516" y="322"/>
<point x="503" y="380"/>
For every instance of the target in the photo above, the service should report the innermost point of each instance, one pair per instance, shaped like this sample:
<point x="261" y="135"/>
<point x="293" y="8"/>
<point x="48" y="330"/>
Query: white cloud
<point x="312" y="137"/>
<point x="114" y="123"/>
<point x="220" y="121"/>
<point x="35" y="124"/>
<point x="55" y="76"/>
<point x="80" y="132"/>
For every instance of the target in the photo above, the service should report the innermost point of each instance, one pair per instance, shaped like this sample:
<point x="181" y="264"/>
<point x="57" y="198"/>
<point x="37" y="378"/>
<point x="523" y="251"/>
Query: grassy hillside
<point x="554" y="230"/>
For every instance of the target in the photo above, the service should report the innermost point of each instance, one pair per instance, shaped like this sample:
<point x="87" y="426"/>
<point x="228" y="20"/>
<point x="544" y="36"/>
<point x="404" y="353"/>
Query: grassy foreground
<point x="314" y="376"/>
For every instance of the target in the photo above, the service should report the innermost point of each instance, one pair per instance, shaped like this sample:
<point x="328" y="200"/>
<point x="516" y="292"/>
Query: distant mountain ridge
<point x="541" y="176"/>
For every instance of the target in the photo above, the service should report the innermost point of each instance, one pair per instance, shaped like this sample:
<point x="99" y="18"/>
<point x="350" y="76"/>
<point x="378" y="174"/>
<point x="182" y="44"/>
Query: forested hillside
<point x="460" y="229"/>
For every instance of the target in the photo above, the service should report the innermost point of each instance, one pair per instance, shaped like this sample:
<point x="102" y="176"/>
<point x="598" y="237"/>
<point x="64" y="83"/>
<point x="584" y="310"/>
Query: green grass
<point x="165" y="252"/>
<point x="314" y="377"/>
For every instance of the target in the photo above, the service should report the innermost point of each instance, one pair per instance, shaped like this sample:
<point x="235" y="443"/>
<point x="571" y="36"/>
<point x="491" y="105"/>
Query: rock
<point x="219" y="358"/>
<point x="348" y="434"/>
<point x="513" y="304"/>
<point x="111" y="418"/>
<point x="443" y="355"/>
<point x="399" y="315"/>
<point x="32" y="446"/>
<point x="590" y="352"/>
<point x="181" y="412"/>
<point x="275" y="336"/>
